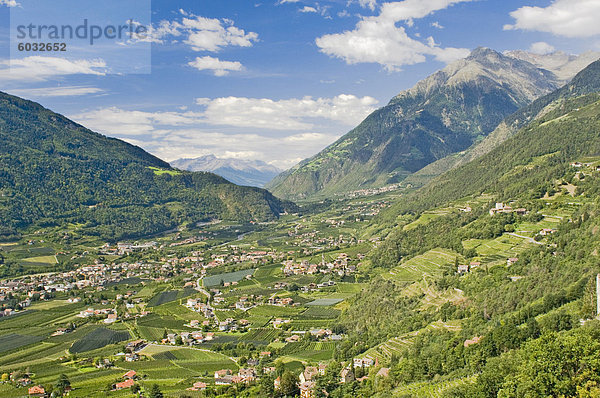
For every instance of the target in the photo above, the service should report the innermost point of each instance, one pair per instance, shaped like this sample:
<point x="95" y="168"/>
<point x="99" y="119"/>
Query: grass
<point x="41" y="260"/>
<point x="159" y="171"/>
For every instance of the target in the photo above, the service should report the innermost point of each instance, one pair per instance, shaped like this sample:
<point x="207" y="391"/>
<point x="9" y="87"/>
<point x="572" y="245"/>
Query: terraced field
<point x="429" y="389"/>
<point x="430" y="263"/>
<point x="167" y="360"/>
<point x="396" y="345"/>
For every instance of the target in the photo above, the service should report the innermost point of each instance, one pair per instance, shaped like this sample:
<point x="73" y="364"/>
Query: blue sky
<point x="275" y="80"/>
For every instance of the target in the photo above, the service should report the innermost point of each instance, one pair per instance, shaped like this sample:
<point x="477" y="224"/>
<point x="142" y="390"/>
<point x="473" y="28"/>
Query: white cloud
<point x="289" y="114"/>
<point x="124" y="123"/>
<point x="568" y="18"/>
<point x="59" y="91"/>
<point x="219" y="68"/>
<point x="38" y="68"/>
<point x="378" y="39"/>
<point x="541" y="48"/>
<point x="200" y="33"/>
<point x="371" y="4"/>
<point x="287" y="1"/>
<point x="308" y="9"/>
<point x="437" y="25"/>
<point x="282" y="132"/>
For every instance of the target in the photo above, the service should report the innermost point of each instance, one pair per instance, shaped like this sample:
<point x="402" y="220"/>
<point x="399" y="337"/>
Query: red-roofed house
<point x="124" y="384"/>
<point x="37" y="391"/>
<point x="130" y="375"/>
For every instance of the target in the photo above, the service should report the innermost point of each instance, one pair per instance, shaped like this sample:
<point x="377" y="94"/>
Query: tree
<point x="289" y="383"/>
<point x="63" y="383"/>
<point x="267" y="388"/>
<point x="155" y="392"/>
<point x="135" y="388"/>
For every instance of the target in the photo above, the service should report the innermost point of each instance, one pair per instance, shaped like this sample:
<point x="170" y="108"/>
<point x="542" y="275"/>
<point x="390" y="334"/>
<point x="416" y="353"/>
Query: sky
<point x="271" y="80"/>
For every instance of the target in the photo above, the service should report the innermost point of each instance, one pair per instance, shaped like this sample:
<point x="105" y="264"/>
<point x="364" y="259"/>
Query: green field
<point x="98" y="338"/>
<point x="13" y="341"/>
<point x="430" y="263"/>
<point x="216" y="280"/>
<point x="168" y="296"/>
<point x="325" y="302"/>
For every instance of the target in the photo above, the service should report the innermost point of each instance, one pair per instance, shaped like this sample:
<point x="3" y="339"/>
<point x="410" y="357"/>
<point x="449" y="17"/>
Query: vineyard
<point x="98" y="338"/>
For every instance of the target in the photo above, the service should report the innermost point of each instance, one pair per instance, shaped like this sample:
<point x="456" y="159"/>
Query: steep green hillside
<point x="444" y="114"/>
<point x="509" y="329"/>
<point x="54" y="171"/>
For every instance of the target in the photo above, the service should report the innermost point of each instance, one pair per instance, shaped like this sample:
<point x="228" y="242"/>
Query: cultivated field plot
<point x="429" y="389"/>
<point x="99" y="338"/>
<point x="268" y="274"/>
<point x="194" y="361"/>
<point x="260" y="336"/>
<point x="217" y="280"/>
<point x="430" y="263"/>
<point x="499" y="249"/>
<point x="314" y="352"/>
<point x="397" y="345"/>
<point x="325" y="302"/>
<point x="13" y="341"/>
<point x="41" y="260"/>
<point x="319" y="312"/>
<point x="169" y="295"/>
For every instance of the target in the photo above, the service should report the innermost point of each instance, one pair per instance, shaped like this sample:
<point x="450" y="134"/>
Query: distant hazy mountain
<point x="254" y="173"/>
<point x="441" y="115"/>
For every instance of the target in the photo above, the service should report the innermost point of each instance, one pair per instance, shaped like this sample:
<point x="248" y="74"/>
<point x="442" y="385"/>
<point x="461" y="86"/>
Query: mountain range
<point x="447" y="113"/>
<point x="56" y="172"/>
<point x="254" y="173"/>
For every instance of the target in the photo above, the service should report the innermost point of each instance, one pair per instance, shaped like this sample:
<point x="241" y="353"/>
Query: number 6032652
<point x="40" y="47"/>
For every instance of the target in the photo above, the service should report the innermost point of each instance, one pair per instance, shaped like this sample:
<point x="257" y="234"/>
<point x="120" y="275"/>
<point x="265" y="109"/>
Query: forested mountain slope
<point x="509" y="322"/>
<point x="53" y="171"/>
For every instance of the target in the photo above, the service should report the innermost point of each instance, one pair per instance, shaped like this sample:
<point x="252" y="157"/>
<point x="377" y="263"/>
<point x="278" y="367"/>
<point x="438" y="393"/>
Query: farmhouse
<point x="198" y="386"/>
<point x="124" y="384"/>
<point x="130" y="375"/>
<point x="37" y="391"/>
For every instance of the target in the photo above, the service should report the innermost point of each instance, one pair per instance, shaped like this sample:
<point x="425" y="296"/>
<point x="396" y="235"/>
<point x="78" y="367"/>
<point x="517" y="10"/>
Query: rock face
<point x="239" y="171"/>
<point x="441" y="115"/>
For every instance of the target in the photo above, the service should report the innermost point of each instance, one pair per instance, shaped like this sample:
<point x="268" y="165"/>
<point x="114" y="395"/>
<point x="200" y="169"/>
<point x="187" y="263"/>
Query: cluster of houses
<point x="579" y="165"/>
<point x="226" y="376"/>
<point x="464" y="268"/>
<point x="188" y="338"/>
<point x="341" y="265"/>
<point x="502" y="208"/>
<point x="109" y="314"/>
